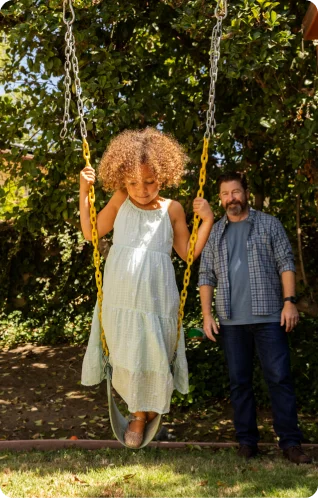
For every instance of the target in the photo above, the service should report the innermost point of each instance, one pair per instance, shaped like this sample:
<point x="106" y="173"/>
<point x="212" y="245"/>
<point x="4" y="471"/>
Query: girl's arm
<point x="106" y="217"/>
<point x="181" y="241"/>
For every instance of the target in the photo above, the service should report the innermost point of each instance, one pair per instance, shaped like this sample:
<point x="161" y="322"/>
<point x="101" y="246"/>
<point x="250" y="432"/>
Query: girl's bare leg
<point x="138" y="425"/>
<point x="134" y="433"/>
<point x="151" y="416"/>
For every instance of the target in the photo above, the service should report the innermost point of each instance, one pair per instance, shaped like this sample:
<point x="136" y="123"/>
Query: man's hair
<point x="230" y="176"/>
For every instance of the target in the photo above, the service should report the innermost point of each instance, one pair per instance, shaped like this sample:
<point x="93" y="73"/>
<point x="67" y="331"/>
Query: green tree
<point x="147" y="64"/>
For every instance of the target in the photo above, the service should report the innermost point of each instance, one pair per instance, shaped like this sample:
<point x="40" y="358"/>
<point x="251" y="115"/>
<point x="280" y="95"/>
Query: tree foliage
<point x="146" y="64"/>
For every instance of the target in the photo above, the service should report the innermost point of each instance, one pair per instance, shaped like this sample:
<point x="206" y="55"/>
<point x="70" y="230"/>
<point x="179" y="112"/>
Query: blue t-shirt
<point x="239" y="278"/>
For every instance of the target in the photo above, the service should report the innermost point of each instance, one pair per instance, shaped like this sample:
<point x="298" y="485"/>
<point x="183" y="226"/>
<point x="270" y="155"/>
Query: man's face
<point x="233" y="197"/>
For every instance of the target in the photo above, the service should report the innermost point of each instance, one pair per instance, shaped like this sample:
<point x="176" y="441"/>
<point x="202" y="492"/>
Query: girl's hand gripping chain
<point x="202" y="208"/>
<point x="87" y="178"/>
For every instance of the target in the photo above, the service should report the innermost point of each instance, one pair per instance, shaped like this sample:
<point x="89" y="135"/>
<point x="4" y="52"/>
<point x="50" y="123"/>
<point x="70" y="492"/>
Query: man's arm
<point x="209" y="324"/>
<point x="285" y="266"/>
<point x="289" y="315"/>
<point x="207" y="284"/>
<point x="283" y="253"/>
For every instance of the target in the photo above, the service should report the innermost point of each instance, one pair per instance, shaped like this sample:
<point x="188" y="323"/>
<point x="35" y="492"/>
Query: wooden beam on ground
<point x="310" y="23"/>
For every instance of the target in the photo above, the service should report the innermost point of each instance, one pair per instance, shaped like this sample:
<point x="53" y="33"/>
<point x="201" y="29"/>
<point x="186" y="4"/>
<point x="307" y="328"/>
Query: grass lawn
<point x="152" y="472"/>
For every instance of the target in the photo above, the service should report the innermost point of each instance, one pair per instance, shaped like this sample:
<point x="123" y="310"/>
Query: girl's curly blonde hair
<point x="132" y="148"/>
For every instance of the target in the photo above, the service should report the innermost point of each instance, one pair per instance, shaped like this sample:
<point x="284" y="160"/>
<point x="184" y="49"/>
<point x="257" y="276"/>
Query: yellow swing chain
<point x="71" y="62"/>
<point x="220" y="14"/>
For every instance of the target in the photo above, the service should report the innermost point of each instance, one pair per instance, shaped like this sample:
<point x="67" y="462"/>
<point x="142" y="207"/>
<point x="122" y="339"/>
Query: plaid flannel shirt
<point x="269" y="254"/>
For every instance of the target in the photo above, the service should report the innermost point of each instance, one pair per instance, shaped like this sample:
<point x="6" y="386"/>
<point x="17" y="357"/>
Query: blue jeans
<point x="270" y="341"/>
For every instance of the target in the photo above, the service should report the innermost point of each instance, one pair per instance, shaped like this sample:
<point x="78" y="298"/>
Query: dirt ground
<point x="41" y="397"/>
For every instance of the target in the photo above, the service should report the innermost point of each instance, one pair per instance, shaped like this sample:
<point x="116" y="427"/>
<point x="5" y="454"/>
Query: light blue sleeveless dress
<point x="139" y="313"/>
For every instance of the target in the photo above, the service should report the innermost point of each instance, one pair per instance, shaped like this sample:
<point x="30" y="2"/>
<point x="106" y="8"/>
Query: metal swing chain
<point x="220" y="14"/>
<point x="71" y="62"/>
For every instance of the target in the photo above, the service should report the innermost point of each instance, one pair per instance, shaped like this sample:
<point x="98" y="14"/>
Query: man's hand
<point x="289" y="316"/>
<point x="210" y="326"/>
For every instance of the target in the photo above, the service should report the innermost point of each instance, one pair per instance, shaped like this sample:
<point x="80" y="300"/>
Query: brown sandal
<point x="134" y="439"/>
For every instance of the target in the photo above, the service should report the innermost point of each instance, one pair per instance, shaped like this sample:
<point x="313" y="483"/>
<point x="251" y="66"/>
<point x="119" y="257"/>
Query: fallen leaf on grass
<point x="128" y="476"/>
<point x="203" y="483"/>
<point x="77" y="479"/>
<point x="3" y="457"/>
<point x="220" y="483"/>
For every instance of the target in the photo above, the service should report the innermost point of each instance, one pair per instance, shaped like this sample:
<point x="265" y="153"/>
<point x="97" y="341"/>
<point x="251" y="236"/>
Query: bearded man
<point x="248" y="258"/>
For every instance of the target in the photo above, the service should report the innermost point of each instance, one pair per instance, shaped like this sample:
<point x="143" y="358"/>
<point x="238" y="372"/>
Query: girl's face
<point x="143" y="189"/>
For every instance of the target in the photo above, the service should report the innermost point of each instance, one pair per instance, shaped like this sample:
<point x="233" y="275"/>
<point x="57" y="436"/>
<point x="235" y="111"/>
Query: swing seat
<point x="119" y="423"/>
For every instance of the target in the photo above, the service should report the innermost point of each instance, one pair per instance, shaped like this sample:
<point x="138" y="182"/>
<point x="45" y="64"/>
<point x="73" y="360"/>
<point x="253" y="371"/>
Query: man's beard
<point x="235" y="208"/>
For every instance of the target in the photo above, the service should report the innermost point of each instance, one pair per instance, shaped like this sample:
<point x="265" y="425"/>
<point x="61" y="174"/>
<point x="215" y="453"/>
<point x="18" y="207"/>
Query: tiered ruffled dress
<point x="139" y="313"/>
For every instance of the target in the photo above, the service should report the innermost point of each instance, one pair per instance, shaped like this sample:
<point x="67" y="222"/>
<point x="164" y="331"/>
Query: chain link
<point x="71" y="62"/>
<point x="221" y="9"/>
<point x="193" y="239"/>
<point x="220" y="13"/>
<point x="98" y="274"/>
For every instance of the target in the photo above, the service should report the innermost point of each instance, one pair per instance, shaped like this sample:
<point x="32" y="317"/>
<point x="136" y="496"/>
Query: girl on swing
<point x="141" y="300"/>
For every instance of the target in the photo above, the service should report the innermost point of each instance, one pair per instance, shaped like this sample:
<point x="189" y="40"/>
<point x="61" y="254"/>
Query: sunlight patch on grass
<point x="152" y="473"/>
